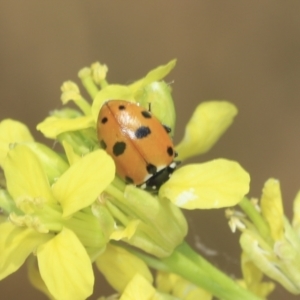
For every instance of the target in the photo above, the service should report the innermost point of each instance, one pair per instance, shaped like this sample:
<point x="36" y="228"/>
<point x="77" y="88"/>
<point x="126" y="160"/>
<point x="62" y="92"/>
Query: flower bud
<point x="157" y="98"/>
<point x="161" y="226"/>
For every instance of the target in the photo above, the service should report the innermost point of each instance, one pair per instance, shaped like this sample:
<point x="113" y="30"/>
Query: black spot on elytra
<point x="151" y="169"/>
<point x="142" y="132"/>
<point x="122" y="107"/>
<point x="104" y="120"/>
<point x="146" y="114"/>
<point x="103" y="144"/>
<point x="170" y="151"/>
<point x="128" y="179"/>
<point x="119" y="148"/>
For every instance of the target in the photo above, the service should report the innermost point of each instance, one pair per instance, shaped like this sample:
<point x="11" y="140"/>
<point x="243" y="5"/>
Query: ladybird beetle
<point x="139" y="144"/>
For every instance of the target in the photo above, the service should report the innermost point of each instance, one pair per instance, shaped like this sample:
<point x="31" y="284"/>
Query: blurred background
<point x="243" y="51"/>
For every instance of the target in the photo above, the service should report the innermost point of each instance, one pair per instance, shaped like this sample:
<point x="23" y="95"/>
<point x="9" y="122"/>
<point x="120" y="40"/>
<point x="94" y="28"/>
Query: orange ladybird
<point x="139" y="144"/>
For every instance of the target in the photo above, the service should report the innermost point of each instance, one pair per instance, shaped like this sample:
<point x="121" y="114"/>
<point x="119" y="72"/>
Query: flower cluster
<point x="65" y="209"/>
<point x="270" y="243"/>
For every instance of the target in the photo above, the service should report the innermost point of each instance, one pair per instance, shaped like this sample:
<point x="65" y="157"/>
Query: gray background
<point x="243" y="51"/>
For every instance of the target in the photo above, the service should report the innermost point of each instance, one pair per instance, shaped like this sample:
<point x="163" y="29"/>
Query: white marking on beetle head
<point x="173" y="165"/>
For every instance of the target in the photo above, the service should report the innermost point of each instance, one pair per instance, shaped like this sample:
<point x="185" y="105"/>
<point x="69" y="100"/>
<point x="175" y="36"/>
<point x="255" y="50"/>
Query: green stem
<point x="88" y="82"/>
<point x="53" y="226"/>
<point x="117" y="213"/>
<point x="151" y="261"/>
<point x="257" y="219"/>
<point x="84" y="106"/>
<point x="215" y="281"/>
<point x="188" y="264"/>
<point x="103" y="83"/>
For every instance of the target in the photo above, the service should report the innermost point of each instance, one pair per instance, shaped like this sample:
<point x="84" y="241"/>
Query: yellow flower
<point x="65" y="121"/>
<point x="53" y="213"/>
<point x="272" y="208"/>
<point x="120" y="266"/>
<point x="253" y="278"/>
<point x="180" y="288"/>
<point x="99" y="72"/>
<point x="208" y="122"/>
<point x="139" y="288"/>
<point x="213" y="184"/>
<point x="154" y="225"/>
<point x="55" y="125"/>
<point x="158" y="232"/>
<point x="54" y="222"/>
<point x="146" y="91"/>
<point x="270" y="244"/>
<point x="13" y="132"/>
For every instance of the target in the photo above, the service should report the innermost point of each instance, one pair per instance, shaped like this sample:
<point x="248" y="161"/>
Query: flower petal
<point x="209" y="121"/>
<point x="121" y="92"/>
<point x="35" y="277"/>
<point x="272" y="209"/>
<point x="119" y="266"/>
<point x="296" y="216"/>
<point x="214" y="184"/>
<point x="139" y="288"/>
<point x="253" y="277"/>
<point x="25" y="175"/>
<point x="53" y="164"/>
<point x="80" y="185"/>
<point x="154" y="75"/>
<point x="127" y="232"/>
<point x="12" y="131"/>
<point x="262" y="255"/>
<point x="65" y="267"/>
<point x="52" y="126"/>
<point x="16" y="244"/>
<point x="183" y="289"/>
